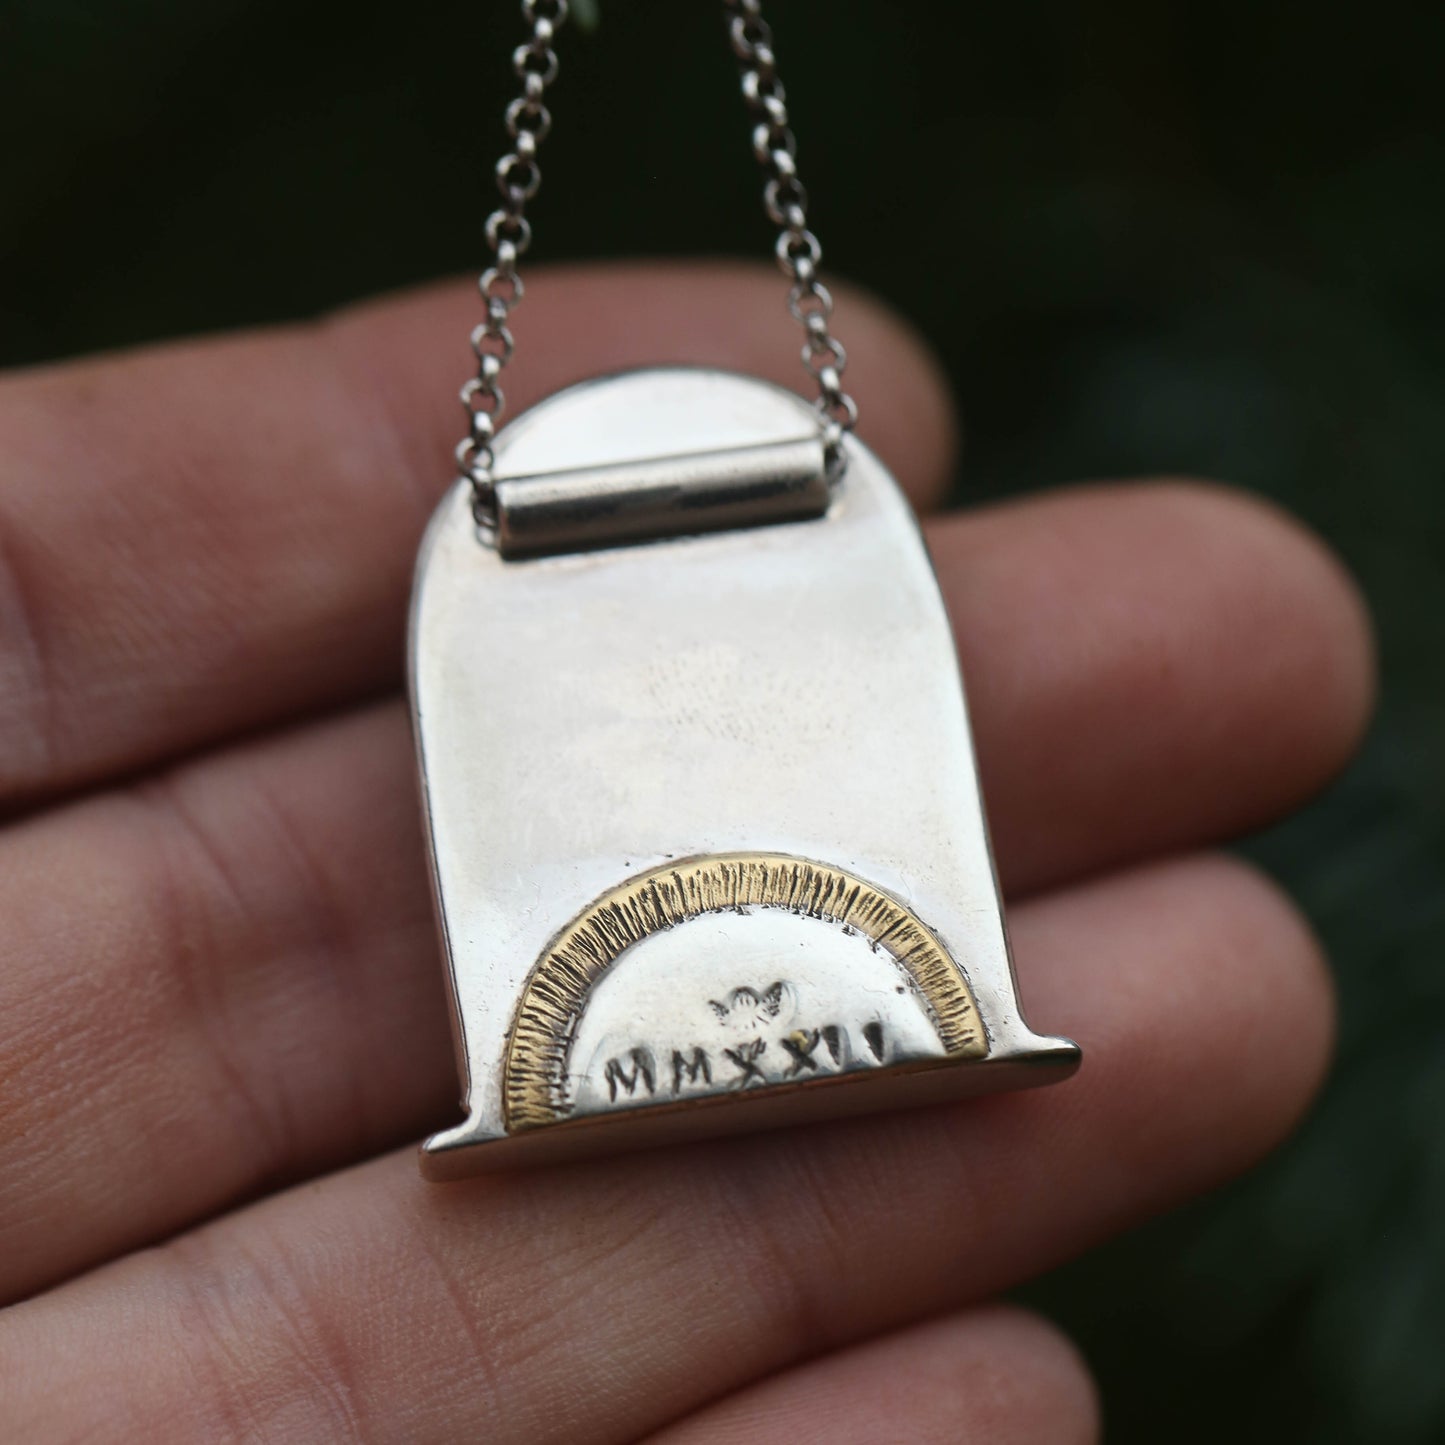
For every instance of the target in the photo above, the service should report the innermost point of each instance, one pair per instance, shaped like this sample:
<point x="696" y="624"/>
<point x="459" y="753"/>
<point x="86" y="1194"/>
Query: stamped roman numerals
<point x="643" y="1073"/>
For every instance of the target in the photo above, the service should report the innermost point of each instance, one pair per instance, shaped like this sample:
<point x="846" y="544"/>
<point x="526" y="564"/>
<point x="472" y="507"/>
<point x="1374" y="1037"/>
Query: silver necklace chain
<point x="509" y="234"/>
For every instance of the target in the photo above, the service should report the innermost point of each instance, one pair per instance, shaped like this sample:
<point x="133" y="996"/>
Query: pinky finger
<point x="995" y="1374"/>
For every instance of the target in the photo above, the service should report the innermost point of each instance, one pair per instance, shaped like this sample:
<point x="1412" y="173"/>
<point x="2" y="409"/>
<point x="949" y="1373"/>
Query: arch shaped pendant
<point x="706" y="835"/>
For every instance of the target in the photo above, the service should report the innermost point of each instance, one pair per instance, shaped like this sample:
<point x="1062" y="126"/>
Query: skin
<point x="221" y="1018"/>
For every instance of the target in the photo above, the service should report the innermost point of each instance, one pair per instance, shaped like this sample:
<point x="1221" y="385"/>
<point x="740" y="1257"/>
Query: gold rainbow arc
<point x="533" y="1086"/>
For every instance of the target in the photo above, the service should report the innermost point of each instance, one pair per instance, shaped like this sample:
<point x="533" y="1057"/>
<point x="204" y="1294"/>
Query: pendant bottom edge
<point x="470" y="1149"/>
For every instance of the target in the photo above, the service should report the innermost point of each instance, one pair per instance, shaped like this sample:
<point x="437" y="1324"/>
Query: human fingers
<point x="260" y="918"/>
<point x="989" y="1376"/>
<point x="1150" y="667"/>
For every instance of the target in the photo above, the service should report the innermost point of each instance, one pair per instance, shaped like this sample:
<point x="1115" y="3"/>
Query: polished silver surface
<point x="705" y="825"/>
<point x="634" y="501"/>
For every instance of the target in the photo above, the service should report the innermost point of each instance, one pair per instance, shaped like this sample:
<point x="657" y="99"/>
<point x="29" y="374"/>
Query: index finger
<point x="204" y="538"/>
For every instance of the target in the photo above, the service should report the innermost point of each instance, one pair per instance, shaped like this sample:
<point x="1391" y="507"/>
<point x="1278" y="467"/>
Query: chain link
<point x="509" y="234"/>
<point x="786" y="202"/>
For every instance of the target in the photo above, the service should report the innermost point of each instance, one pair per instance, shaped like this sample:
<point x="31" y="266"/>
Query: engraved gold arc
<point x="556" y="992"/>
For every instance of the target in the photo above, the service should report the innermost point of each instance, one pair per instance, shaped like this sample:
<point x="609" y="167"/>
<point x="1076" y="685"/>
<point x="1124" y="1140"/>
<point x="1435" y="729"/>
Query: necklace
<point x="707" y="843"/>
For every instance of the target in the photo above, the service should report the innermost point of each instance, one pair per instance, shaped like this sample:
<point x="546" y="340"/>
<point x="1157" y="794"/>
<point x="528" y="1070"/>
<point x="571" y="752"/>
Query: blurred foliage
<point x="1143" y="238"/>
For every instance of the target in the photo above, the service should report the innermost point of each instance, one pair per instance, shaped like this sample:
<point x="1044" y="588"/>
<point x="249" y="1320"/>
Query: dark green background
<point x="1144" y="238"/>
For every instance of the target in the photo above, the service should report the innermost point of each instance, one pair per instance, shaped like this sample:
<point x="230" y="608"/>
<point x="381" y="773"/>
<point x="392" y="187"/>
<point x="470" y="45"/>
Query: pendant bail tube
<point x="671" y="496"/>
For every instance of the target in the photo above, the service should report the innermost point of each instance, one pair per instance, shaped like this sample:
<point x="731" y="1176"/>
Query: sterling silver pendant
<point x="705" y="826"/>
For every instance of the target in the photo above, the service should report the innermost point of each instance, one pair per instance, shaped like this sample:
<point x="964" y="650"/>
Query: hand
<point x="221" y="1017"/>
